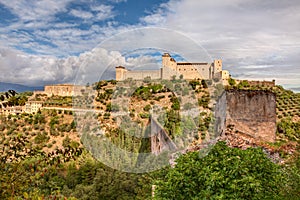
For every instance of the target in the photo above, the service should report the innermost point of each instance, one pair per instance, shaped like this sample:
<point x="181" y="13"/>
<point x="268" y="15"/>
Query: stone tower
<point x="168" y="61"/>
<point x="217" y="66"/>
<point x="120" y="73"/>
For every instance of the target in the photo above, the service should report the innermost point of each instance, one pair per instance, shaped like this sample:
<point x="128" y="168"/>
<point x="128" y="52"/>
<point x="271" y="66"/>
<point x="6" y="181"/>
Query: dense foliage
<point x="67" y="172"/>
<point x="225" y="173"/>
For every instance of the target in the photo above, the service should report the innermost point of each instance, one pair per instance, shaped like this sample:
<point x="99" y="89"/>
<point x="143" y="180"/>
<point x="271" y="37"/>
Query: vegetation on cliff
<point x="41" y="156"/>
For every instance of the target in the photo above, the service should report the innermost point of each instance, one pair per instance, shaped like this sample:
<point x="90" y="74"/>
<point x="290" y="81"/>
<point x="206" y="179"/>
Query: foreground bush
<point x="225" y="173"/>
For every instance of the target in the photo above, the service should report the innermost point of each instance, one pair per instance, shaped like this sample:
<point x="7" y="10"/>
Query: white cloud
<point x="35" y="10"/>
<point x="81" y="14"/>
<point x="103" y="12"/>
<point x="117" y="1"/>
<point x="39" y="70"/>
<point x="38" y="25"/>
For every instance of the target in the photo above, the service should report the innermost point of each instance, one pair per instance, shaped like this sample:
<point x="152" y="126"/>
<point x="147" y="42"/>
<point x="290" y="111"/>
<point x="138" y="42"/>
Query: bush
<point x="147" y="108"/>
<point x="225" y="173"/>
<point x="231" y="81"/>
<point x="41" y="138"/>
<point x="2" y="127"/>
<point x="144" y="115"/>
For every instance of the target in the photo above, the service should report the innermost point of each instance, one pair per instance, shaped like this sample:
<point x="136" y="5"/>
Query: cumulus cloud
<point x="90" y="66"/>
<point x="81" y="14"/>
<point x="41" y="28"/>
<point x="35" y="10"/>
<point x="103" y="12"/>
<point x="33" y="70"/>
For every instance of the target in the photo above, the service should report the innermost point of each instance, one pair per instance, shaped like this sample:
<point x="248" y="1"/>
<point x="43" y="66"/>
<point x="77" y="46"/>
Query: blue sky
<point x="49" y="41"/>
<point x="49" y="23"/>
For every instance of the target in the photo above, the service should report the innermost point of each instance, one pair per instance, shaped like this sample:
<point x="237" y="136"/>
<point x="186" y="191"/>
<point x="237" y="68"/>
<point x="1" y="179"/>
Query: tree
<point x="225" y="173"/>
<point x="231" y="81"/>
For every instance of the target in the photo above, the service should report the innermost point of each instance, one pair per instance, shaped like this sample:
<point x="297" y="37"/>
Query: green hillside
<point x="42" y="156"/>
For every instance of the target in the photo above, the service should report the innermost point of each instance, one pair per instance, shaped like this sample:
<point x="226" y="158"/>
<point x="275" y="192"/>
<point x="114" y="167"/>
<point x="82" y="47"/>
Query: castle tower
<point x="217" y="66"/>
<point x="168" y="61"/>
<point x="120" y="73"/>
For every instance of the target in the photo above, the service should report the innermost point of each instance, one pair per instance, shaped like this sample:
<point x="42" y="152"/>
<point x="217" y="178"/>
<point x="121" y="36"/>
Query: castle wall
<point x="142" y="74"/>
<point x="262" y="83"/>
<point x="259" y="83"/>
<point x="63" y="90"/>
<point x="168" y="73"/>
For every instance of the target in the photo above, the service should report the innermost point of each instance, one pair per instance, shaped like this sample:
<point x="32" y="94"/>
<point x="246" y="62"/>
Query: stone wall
<point x="248" y="112"/>
<point x="33" y="106"/>
<point x="142" y="74"/>
<point x="259" y="83"/>
<point x="63" y="90"/>
<point x="262" y="83"/>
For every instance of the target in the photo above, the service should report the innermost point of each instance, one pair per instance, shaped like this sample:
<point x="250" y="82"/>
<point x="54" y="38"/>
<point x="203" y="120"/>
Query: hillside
<point x="49" y="144"/>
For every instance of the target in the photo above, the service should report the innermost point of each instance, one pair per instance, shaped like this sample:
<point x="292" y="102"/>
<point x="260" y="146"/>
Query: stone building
<point x="63" y="90"/>
<point x="11" y="110"/>
<point x="171" y="68"/>
<point x="33" y="106"/>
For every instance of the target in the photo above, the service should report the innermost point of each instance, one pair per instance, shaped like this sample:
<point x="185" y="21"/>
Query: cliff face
<point x="252" y="113"/>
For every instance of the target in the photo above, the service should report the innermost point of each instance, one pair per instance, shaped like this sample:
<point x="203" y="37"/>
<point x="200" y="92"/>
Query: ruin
<point x="248" y="112"/>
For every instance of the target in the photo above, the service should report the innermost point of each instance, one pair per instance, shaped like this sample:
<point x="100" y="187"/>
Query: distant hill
<point x="17" y="87"/>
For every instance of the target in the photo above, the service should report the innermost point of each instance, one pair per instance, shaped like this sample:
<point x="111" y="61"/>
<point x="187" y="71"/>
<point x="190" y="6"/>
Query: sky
<point x="50" y="41"/>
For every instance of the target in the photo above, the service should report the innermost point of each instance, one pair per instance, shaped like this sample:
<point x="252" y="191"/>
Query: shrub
<point x="231" y="81"/>
<point x="225" y="173"/>
<point x="147" y="108"/>
<point x="41" y="138"/>
<point x="144" y="115"/>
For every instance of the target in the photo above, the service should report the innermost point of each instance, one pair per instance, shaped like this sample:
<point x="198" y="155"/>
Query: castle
<point x="171" y="68"/>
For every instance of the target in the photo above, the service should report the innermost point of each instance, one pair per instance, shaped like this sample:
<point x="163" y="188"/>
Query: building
<point x="33" y="106"/>
<point x="171" y="68"/>
<point x="63" y="90"/>
<point x="11" y="110"/>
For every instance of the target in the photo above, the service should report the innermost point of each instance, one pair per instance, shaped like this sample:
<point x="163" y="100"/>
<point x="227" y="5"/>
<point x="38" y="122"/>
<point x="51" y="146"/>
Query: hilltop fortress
<point x="171" y="68"/>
